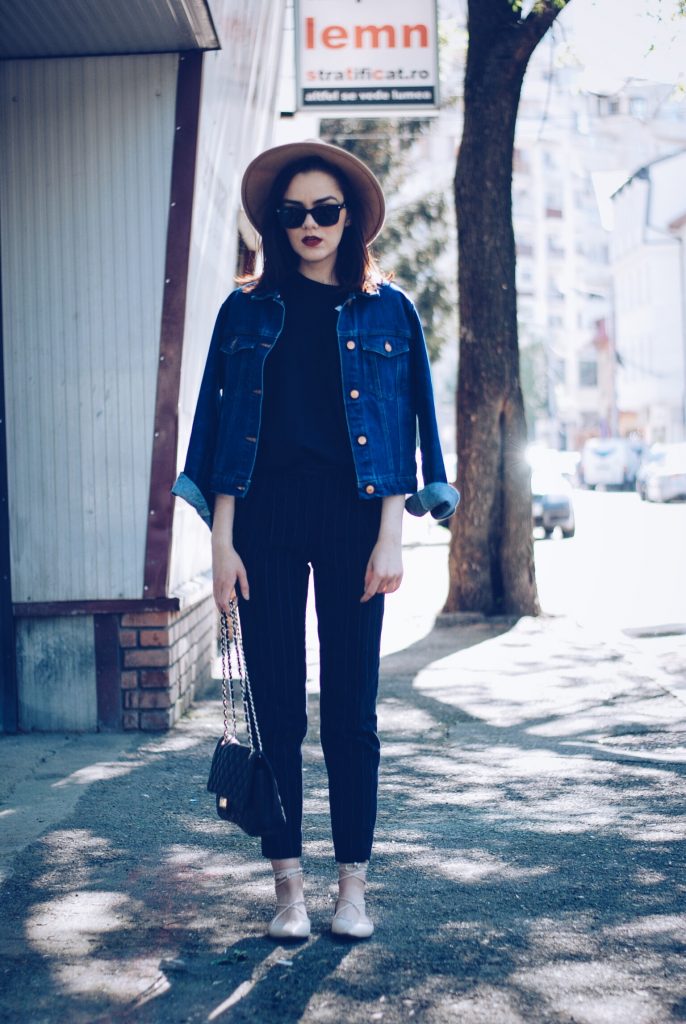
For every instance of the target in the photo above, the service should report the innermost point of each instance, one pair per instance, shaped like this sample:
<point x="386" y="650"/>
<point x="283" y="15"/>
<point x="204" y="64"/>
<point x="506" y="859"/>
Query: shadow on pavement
<point x="528" y="864"/>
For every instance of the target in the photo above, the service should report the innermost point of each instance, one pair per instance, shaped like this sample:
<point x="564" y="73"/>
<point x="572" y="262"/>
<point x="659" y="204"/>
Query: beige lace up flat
<point x="297" y="924"/>
<point x="350" y="918"/>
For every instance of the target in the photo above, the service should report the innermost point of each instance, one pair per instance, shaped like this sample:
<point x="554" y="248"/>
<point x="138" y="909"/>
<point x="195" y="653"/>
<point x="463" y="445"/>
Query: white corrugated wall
<point x="86" y="149"/>
<point x="237" y="118"/>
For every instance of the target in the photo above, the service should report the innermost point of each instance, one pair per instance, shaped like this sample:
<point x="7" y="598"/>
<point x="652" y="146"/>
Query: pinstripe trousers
<point x="287" y="523"/>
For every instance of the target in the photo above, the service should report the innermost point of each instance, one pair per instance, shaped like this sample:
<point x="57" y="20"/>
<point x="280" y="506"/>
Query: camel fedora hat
<point x="262" y="171"/>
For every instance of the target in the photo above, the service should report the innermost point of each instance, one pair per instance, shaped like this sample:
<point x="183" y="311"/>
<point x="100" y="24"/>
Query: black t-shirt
<point x="303" y="416"/>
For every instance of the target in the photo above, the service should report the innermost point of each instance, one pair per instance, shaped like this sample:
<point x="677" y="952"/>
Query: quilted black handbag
<point x="241" y="776"/>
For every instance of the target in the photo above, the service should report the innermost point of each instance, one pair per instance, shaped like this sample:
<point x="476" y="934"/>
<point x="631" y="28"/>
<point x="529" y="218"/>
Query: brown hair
<point x="355" y="268"/>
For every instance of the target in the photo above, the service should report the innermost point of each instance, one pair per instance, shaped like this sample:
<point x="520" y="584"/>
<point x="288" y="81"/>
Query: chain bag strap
<point x="241" y="776"/>
<point x="232" y="642"/>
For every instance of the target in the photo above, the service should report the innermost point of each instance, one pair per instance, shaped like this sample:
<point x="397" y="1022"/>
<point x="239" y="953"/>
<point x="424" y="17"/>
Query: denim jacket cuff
<point x="440" y="499"/>
<point x="190" y="492"/>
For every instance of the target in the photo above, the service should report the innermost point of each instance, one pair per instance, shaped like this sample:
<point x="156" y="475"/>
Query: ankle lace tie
<point x="283" y="876"/>
<point x="350" y="917"/>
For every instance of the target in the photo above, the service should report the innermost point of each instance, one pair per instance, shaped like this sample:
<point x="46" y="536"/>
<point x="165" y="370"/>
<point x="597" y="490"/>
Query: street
<point x="529" y="856"/>
<point x="626" y="566"/>
<point x="624" y="569"/>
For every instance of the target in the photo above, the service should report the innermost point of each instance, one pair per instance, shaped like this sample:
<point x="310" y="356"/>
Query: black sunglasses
<point x="325" y="215"/>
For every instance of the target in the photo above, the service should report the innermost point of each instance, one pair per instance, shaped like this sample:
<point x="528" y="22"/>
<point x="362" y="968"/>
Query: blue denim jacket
<point x="386" y="389"/>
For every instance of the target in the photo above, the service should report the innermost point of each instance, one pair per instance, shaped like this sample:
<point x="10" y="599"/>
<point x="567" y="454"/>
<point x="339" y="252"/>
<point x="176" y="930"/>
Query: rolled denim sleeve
<point x="193" y="484"/>
<point x="437" y="496"/>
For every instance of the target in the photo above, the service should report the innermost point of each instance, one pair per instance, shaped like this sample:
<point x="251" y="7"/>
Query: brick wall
<point x="165" y="658"/>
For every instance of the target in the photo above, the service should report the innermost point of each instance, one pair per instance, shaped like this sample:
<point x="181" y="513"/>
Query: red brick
<point x="154" y="699"/>
<point x="145" y="619"/>
<point x="130" y="720"/>
<point x="151" y="657"/>
<point x="129" y="680"/>
<point x="149" y="699"/>
<point x="155" y="677"/>
<point x="157" y="721"/>
<point x="128" y="637"/>
<point x="154" y="638"/>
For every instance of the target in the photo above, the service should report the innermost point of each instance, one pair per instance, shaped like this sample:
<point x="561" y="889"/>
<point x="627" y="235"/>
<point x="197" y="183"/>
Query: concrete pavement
<point x="528" y="865"/>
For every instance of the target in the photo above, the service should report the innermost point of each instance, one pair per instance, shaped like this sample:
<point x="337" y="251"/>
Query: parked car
<point x="559" y="462"/>
<point x="667" y="480"/>
<point x="651" y="459"/>
<point x="610" y="462"/>
<point x="551" y="499"/>
<point x="552" y="503"/>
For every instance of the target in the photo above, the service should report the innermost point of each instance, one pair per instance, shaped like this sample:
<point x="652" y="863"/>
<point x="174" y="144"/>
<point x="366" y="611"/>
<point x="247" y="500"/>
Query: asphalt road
<point x="528" y="866"/>
<point x="529" y="862"/>
<point x="626" y="566"/>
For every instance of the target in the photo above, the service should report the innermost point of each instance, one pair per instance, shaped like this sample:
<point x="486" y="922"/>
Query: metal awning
<point x="72" y="28"/>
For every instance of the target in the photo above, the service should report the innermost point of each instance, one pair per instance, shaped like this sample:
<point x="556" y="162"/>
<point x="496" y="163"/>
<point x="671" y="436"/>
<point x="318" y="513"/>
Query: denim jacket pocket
<point x="240" y="362"/>
<point x="386" y="362"/>
<point x="235" y="343"/>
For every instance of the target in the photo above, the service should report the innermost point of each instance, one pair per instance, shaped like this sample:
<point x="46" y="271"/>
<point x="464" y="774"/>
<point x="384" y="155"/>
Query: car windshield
<point x="545" y="482"/>
<point x="674" y="460"/>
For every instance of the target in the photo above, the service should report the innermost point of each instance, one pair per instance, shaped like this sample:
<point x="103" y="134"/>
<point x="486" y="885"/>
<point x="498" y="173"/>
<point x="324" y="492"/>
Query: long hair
<point x="355" y="266"/>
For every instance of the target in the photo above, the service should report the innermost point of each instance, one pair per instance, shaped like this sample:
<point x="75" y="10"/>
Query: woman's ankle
<point x="288" y="880"/>
<point x="352" y="878"/>
<point x="285" y="864"/>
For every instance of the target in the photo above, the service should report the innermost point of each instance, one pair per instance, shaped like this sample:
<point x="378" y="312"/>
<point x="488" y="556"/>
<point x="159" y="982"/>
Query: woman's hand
<point x="227" y="565"/>
<point x="384" y="569"/>
<point x="227" y="570"/>
<point x="385" y="566"/>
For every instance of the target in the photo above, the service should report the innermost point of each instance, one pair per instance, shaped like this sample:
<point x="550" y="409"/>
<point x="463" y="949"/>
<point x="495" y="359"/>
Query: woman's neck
<point x="322" y="273"/>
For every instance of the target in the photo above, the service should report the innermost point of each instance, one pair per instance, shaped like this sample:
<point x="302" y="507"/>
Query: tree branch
<point x="500" y="29"/>
<point x="541" y="17"/>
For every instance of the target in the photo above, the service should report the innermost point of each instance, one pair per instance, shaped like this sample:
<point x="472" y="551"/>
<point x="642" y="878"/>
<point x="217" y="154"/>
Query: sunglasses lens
<point x="291" y="216"/>
<point x="326" y="216"/>
<point x="294" y="216"/>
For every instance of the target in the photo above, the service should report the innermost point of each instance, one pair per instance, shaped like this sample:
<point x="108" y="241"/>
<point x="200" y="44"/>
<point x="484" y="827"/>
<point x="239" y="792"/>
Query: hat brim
<point x="262" y="171"/>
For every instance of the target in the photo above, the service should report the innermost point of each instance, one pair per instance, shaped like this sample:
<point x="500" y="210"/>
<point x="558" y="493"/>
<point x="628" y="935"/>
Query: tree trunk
<point x="491" y="551"/>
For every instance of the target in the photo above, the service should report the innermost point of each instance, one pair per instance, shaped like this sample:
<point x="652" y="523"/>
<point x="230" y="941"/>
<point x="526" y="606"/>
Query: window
<point x="549" y="160"/>
<point x="520" y="161"/>
<point x="558" y="369"/>
<point x="553" y="204"/>
<point x="588" y="373"/>
<point x="553" y="291"/>
<point x="555" y="248"/>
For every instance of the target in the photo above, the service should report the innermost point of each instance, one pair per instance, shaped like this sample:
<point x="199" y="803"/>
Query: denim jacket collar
<point x="357" y="293"/>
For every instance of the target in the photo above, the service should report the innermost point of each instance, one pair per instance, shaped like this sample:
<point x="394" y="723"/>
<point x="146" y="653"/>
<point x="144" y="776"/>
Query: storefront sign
<point x="366" y="54"/>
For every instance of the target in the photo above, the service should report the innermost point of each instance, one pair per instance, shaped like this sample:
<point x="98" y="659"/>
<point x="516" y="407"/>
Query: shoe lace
<point x="353" y="870"/>
<point x="279" y="878"/>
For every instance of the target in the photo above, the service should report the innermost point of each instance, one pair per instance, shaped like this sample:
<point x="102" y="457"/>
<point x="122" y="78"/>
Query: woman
<point x="301" y="455"/>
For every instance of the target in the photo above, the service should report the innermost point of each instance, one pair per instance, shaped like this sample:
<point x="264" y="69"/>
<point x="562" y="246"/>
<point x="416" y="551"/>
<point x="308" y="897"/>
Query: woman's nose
<point x="309" y="221"/>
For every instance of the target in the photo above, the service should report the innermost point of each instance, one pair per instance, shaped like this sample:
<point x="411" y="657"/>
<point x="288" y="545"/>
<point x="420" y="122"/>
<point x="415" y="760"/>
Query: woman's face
<point x="315" y="245"/>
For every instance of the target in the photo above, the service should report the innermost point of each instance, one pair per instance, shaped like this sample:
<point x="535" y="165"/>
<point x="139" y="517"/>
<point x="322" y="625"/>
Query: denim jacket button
<point x="354" y="393"/>
<point x="370" y="488"/>
<point x="350" y="344"/>
<point x="362" y="439"/>
<point x="388" y="346"/>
